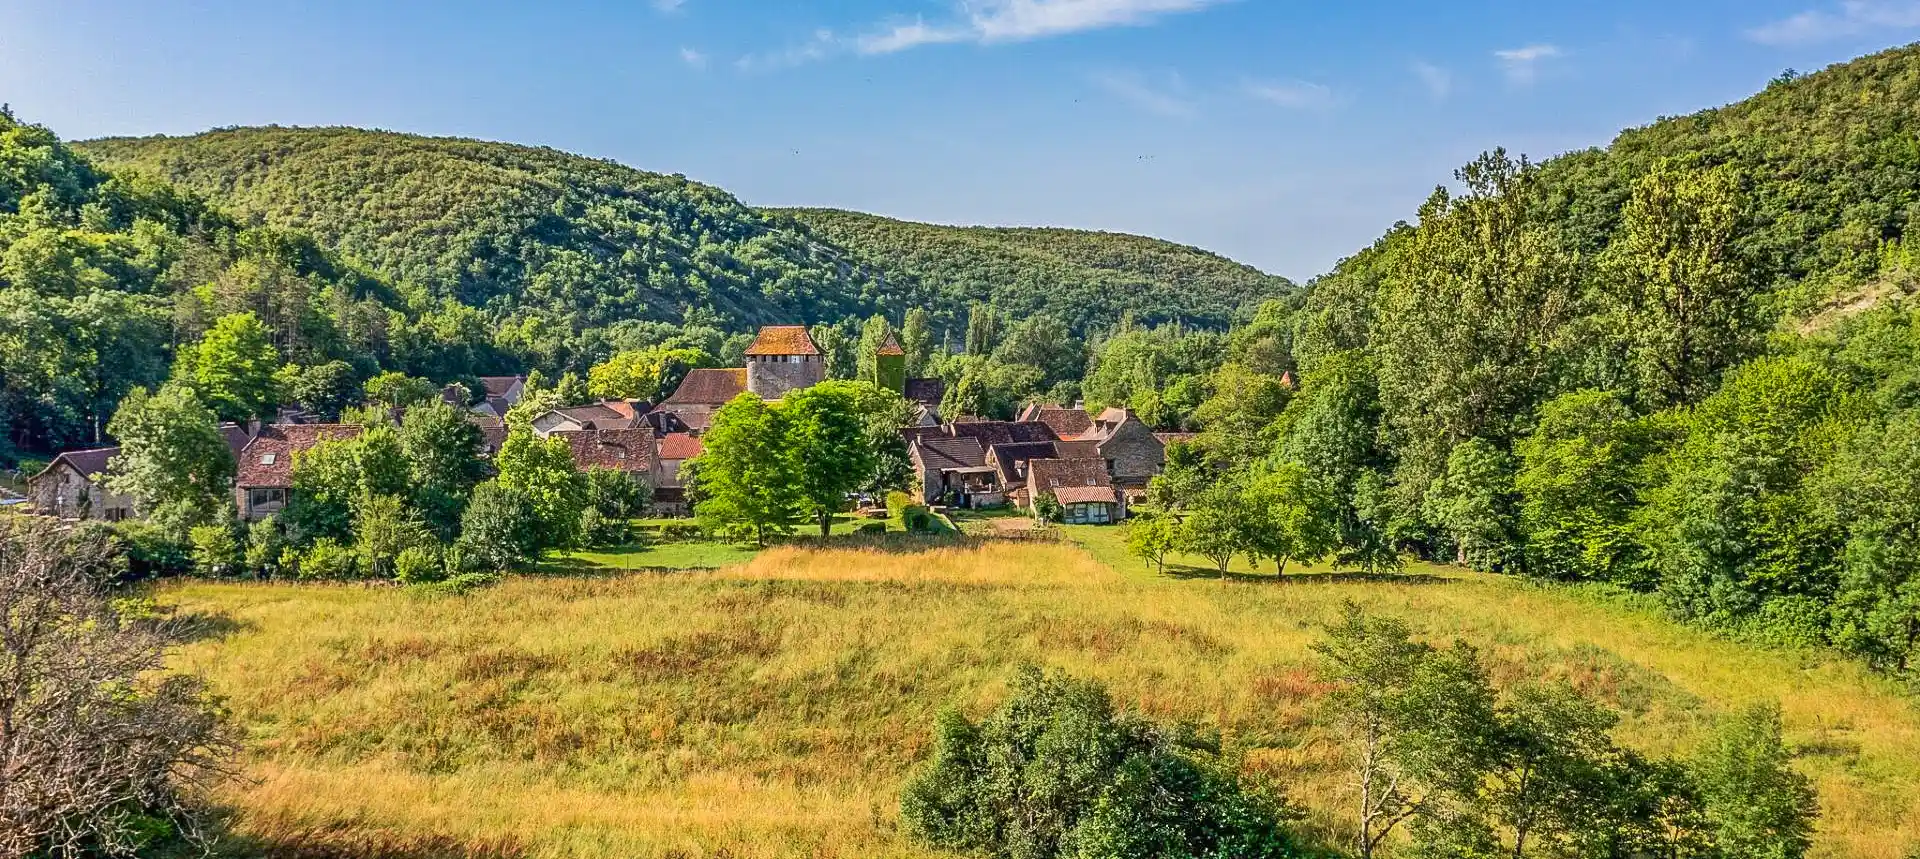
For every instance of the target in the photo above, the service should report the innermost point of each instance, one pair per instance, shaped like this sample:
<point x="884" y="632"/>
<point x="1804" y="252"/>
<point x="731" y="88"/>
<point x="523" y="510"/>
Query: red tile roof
<point x="709" y="387"/>
<point x="629" y="450"/>
<point x="237" y="437"/>
<point x="1085" y="495"/>
<point x="1066" y="423"/>
<point x="783" y="340"/>
<point x="680" y="446"/>
<point x="989" y="433"/>
<point x="267" y="461"/>
<point x="891" y="346"/>
<point x="1044" y="474"/>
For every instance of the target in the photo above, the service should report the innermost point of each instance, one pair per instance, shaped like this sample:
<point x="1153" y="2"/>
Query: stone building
<point x="72" y="487"/>
<point x="783" y="358"/>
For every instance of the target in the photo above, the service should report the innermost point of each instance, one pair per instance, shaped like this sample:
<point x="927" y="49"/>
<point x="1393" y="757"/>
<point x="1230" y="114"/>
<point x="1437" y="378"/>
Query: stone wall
<point x="772" y="376"/>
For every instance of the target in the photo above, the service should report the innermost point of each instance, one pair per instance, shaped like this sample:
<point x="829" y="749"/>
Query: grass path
<point x="771" y="709"/>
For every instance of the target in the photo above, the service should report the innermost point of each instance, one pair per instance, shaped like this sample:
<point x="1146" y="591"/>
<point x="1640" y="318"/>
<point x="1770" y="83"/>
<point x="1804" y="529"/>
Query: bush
<point x="1055" y="772"/>
<point x="500" y="530"/>
<point x="917" y="518"/>
<point x="871" y="528"/>
<point x="327" y="559"/>
<point x="265" y="544"/>
<point x="1047" y="508"/>
<point x="418" y="565"/>
<point x="897" y="504"/>
<point x="215" y="551"/>
<point x="682" y="532"/>
<point x="152" y="551"/>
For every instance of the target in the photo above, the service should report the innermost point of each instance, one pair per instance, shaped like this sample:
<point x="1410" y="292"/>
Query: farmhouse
<point x="630" y="450"/>
<point x="1082" y="488"/>
<point x="72" y="487"/>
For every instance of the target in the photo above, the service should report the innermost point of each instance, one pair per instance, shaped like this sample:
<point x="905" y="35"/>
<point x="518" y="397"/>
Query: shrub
<point x="215" y="551"/>
<point x="917" y="518"/>
<point x="682" y="532"/>
<point x="1047" y="508"/>
<point x="265" y="543"/>
<point x="871" y="528"/>
<point x="1055" y="772"/>
<point x="897" y="504"/>
<point x="418" y="565"/>
<point x="500" y="530"/>
<point x="152" y="551"/>
<point x="327" y="558"/>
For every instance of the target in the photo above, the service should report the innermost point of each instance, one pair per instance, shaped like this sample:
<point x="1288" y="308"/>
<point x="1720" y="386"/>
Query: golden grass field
<point x="772" y="709"/>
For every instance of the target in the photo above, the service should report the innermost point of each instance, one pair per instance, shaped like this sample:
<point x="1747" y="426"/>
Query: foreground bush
<point x="1055" y="772"/>
<point x="101" y="751"/>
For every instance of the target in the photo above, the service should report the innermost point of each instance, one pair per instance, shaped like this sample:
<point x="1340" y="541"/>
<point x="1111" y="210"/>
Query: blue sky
<point x="1283" y="134"/>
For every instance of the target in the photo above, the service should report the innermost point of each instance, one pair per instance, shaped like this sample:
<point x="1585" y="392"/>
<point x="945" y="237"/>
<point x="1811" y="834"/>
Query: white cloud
<point x="1438" y="81"/>
<point x="1850" y="18"/>
<point x="693" y="58"/>
<point x="823" y="44"/>
<point x="1523" y="64"/>
<point x="989" y="22"/>
<point x="1292" y="94"/>
<point x="1166" y="100"/>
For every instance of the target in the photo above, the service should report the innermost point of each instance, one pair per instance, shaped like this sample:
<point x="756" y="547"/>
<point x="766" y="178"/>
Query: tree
<point x="333" y="480"/>
<point x="1055" y="772"/>
<point x="232" y="368"/>
<point x="983" y="329"/>
<point x="106" y="751"/>
<point x="873" y="335"/>
<point x="1151" y="538"/>
<point x="1473" y="502"/>
<point x="1239" y="422"/>
<point x="1471" y="318"/>
<point x="826" y="433"/>
<point x="383" y="528"/>
<point x="1044" y="343"/>
<point x="326" y="389"/>
<point x="748" y="476"/>
<point x="443" y="463"/>
<point x="1755" y="804"/>
<point x="1212" y="527"/>
<point x="173" y="459"/>
<point x="916" y="338"/>
<point x="501" y="529"/>
<point x="1683" y="290"/>
<point x="216" y="552"/>
<point x="394" y="390"/>
<point x="1580" y="480"/>
<point x="644" y="374"/>
<point x="1371" y="662"/>
<point x="1875" y="488"/>
<point x="544" y="470"/>
<point x="1332" y="430"/>
<point x="1286" y="515"/>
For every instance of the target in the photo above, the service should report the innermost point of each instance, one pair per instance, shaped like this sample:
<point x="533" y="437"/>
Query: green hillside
<point x="504" y="226"/>
<point x="1083" y="276"/>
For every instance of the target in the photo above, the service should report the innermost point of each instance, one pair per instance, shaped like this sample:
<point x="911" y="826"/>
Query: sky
<point x="1283" y="134"/>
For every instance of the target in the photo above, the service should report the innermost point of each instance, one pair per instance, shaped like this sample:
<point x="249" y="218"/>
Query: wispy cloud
<point x="823" y="44"/>
<point x="1438" y="81"/>
<point x="1299" y="95"/>
<point x="1850" y="18"/>
<point x="1523" y="64"/>
<point x="693" y="58"/>
<point x="669" y="6"/>
<point x="1166" y="98"/>
<point x="986" y="22"/>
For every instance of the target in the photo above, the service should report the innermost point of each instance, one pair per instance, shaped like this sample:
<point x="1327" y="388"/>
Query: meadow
<point x="771" y="708"/>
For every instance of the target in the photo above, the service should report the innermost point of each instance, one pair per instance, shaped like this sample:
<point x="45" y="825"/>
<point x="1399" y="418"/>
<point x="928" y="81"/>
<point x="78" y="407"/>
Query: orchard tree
<point x="1287" y="515"/>
<point x="1213" y="528"/>
<point x="1151" y="538"/>
<point x="173" y="459"/>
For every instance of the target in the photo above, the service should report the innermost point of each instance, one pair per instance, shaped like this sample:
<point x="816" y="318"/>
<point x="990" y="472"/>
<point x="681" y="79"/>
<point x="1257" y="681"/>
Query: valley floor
<point x="772" y="708"/>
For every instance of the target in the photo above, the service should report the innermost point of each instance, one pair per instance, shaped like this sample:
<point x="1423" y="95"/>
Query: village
<point x="1092" y="467"/>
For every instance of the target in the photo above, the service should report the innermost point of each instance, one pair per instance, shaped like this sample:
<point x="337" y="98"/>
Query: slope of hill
<point x="505" y="226"/>
<point x="1081" y="275"/>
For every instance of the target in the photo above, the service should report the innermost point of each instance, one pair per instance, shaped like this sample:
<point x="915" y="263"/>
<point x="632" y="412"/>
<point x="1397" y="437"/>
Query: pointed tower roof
<point x="891" y="346"/>
<point x="783" y="340"/>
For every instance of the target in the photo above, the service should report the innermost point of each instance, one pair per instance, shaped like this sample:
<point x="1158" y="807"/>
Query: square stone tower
<point x="783" y="358"/>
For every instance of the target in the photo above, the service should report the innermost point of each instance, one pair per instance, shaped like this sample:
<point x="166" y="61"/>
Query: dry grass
<point x="772" y="709"/>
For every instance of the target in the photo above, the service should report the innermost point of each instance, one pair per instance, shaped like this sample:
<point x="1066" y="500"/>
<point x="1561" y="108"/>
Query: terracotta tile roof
<point x="1076" y="449"/>
<point x="629" y="450"/>
<point x="709" y="387"/>
<point x="498" y="386"/>
<point x="783" y="340"/>
<point x="1044" y="474"/>
<point x="267" y="461"/>
<point x="1085" y="495"/>
<point x="1066" y="423"/>
<point x="989" y="433"/>
<point x="926" y="392"/>
<point x="89" y="463"/>
<point x="890" y="346"/>
<point x="1011" y="459"/>
<point x="1112" y="415"/>
<point x="680" y="446"/>
<point x="939" y="454"/>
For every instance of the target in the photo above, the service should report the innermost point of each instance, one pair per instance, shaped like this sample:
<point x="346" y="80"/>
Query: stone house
<point x="1132" y="451"/>
<point x="73" y="486"/>
<point x="985" y="434"/>
<point x="606" y="414"/>
<point x="671" y="452"/>
<point x="264" y="473"/>
<point x="1082" y="487"/>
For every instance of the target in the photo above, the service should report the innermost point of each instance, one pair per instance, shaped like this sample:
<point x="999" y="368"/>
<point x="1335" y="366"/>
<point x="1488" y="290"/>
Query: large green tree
<point x="747" y="476"/>
<point x="173" y="459"/>
<point x="825" y="428"/>
<point x="232" y="367"/>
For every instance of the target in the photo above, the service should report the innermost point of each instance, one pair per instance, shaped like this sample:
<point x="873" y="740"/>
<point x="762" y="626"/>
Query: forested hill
<point x="589" y="241"/>
<point x="1081" y="275"/>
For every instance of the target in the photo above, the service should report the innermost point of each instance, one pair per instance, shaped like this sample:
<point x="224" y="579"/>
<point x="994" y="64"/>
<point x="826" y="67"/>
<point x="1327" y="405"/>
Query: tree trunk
<point x="826" y="525"/>
<point x="1282" y="571"/>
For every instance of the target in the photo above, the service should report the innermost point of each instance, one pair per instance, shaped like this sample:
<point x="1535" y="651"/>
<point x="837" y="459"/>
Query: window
<point x="116" y="514"/>
<point x="268" y="458"/>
